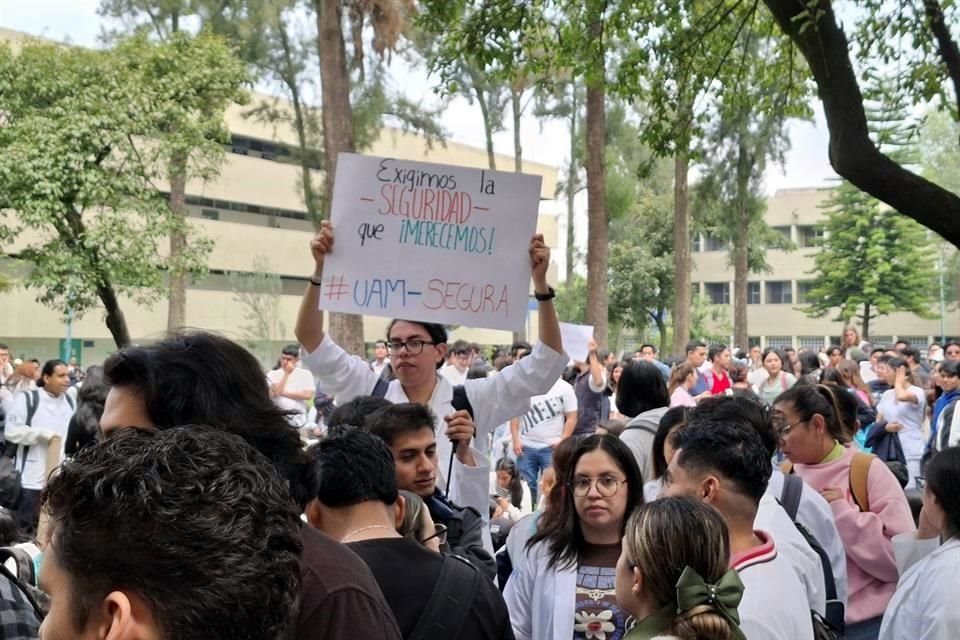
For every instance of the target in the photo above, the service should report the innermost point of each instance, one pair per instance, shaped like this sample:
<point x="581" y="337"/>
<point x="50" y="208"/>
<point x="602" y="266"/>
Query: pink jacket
<point x="867" y="537"/>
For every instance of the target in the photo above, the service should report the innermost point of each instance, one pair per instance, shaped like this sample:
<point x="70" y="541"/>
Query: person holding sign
<point x="417" y="349"/>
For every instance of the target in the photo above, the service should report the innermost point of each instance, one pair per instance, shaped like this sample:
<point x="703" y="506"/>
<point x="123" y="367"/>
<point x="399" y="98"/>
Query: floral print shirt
<point x="598" y="617"/>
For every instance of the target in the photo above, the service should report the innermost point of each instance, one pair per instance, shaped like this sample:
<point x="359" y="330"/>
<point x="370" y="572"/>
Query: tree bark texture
<point x="572" y="169"/>
<point x="598" y="231"/>
<point x="852" y="153"/>
<point x="740" y="244"/>
<point x="177" y="296"/>
<point x="866" y="321"/>
<point x="346" y="329"/>
<point x="487" y="126"/>
<point x="681" y="251"/>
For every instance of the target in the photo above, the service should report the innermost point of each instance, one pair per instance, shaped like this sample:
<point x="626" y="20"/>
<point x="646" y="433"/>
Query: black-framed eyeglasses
<point x="440" y="534"/>
<point x="607" y="486"/>
<point x="782" y="429"/>
<point x="414" y="347"/>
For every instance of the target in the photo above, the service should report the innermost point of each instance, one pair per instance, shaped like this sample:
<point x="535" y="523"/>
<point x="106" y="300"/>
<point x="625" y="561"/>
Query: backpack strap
<point x="859" y="471"/>
<point x="380" y="389"/>
<point x="461" y="402"/>
<point x="69" y="400"/>
<point x="790" y="496"/>
<point x="33" y="403"/>
<point x="452" y="595"/>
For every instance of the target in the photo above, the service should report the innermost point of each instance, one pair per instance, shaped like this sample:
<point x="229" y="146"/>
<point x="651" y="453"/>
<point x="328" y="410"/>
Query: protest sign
<point x="430" y="242"/>
<point x="576" y="340"/>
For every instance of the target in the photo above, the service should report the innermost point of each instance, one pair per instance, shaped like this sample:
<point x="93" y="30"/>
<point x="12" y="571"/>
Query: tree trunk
<point x="346" y="329"/>
<point x="681" y="251"/>
<point x="521" y="335"/>
<point x="515" y="96"/>
<point x="116" y="322"/>
<point x="572" y="183"/>
<point x="177" y="309"/>
<point x="662" y="328"/>
<point x="740" y="245"/>
<point x="597" y="227"/>
<point x="487" y="125"/>
<point x="300" y="124"/>
<point x="865" y="329"/>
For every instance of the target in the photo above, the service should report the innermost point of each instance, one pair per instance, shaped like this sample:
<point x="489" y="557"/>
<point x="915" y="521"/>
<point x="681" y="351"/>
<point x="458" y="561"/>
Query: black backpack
<point x="452" y="596"/>
<point x="831" y="626"/>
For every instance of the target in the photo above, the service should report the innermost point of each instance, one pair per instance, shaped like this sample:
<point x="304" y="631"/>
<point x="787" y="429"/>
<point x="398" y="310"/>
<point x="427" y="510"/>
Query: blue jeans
<point x="531" y="464"/>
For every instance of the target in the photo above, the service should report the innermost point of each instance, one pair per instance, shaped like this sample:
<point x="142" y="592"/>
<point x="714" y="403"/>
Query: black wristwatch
<point x="543" y="297"/>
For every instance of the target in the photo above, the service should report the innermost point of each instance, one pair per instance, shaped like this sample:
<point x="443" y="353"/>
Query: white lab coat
<point x="541" y="600"/>
<point x="924" y="606"/>
<point x="815" y="514"/>
<point x="795" y="549"/>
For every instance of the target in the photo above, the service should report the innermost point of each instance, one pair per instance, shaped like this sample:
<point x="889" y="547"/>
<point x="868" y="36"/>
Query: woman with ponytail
<point x="674" y="577"/>
<point x="868" y="505"/>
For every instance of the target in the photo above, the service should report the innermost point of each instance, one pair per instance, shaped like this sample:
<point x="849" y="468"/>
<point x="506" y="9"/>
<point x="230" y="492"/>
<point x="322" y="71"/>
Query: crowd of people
<point x="179" y="492"/>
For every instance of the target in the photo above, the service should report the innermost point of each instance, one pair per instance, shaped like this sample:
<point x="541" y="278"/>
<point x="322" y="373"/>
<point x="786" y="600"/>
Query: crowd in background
<point x="179" y="491"/>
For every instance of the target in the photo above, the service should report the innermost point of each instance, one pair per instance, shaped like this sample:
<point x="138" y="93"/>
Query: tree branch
<point x="949" y="52"/>
<point x="852" y="153"/>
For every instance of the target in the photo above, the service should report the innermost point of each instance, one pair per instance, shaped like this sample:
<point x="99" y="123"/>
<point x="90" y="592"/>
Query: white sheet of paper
<point x="430" y="242"/>
<point x="576" y="340"/>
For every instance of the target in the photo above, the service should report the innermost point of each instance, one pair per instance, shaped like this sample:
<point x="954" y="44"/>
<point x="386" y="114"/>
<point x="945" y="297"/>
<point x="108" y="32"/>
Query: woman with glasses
<point x="929" y="561"/>
<point x="565" y="584"/>
<point x="868" y="505"/>
<point x="674" y="574"/>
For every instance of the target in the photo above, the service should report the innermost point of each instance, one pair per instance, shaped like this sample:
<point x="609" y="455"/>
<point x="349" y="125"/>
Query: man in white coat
<point x="726" y="465"/>
<point x="416" y="351"/>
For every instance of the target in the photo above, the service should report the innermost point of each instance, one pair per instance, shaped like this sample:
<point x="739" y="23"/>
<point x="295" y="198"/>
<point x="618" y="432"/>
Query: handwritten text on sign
<point x="430" y="242"/>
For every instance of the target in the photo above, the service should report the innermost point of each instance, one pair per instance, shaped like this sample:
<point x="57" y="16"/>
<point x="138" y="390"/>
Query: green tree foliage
<point x="872" y="262"/>
<point x="258" y="293"/>
<point x="77" y="183"/>
<point x="572" y="300"/>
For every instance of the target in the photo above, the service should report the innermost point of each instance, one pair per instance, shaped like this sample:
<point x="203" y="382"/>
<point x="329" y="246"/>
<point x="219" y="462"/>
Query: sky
<point x="77" y="22"/>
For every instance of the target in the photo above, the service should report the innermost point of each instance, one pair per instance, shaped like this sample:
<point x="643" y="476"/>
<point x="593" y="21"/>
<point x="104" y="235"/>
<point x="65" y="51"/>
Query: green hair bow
<point x="724" y="596"/>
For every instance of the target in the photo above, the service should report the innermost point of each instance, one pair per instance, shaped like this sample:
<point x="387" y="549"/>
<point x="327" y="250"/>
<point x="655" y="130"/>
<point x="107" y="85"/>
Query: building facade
<point x="774" y="316"/>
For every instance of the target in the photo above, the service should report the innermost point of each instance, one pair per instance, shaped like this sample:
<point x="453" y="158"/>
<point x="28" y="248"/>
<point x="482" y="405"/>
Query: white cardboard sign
<point x="576" y="340"/>
<point x="430" y="242"/>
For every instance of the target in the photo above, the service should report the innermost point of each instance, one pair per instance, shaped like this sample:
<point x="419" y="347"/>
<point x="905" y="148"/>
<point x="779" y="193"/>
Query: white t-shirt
<point x="908" y="414"/>
<point x="299" y="380"/>
<point x="542" y="425"/>
<point x="454" y="375"/>
<point x="51" y="419"/>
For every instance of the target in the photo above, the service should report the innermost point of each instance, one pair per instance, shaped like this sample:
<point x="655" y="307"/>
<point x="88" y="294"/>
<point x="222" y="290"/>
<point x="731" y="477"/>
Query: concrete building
<point x="254" y="213"/>
<point x="774" y="317"/>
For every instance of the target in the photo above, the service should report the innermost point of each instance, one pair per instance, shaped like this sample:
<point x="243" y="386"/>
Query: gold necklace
<point x="362" y="529"/>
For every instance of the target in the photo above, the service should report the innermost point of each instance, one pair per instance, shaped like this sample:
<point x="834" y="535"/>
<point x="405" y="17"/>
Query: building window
<point x="814" y="343"/>
<point x="209" y="214"/>
<point x="779" y="342"/>
<point x="784" y="231"/>
<point x="713" y="243"/>
<point x="223" y="205"/>
<point x="809" y="236"/>
<point x="753" y="341"/>
<point x="696" y="243"/>
<point x="266" y="150"/>
<point x="753" y="293"/>
<point x="718" y="292"/>
<point x="803" y="292"/>
<point x="779" y="292"/>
